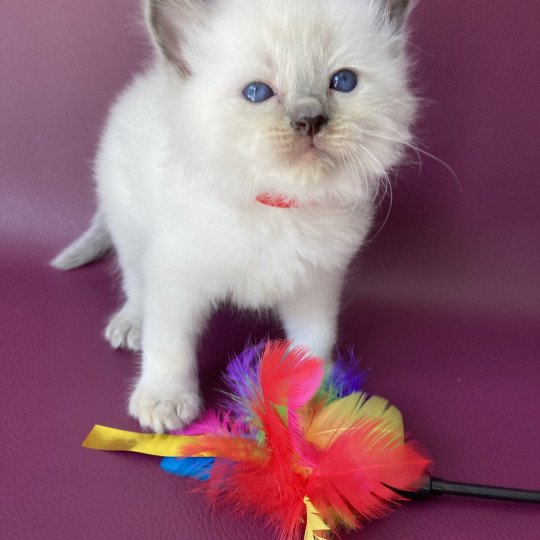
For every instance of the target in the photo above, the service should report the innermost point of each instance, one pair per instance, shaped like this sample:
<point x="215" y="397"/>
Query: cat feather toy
<point x="305" y="450"/>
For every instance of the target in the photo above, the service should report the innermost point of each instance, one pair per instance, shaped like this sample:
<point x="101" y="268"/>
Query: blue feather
<point x="197" y="468"/>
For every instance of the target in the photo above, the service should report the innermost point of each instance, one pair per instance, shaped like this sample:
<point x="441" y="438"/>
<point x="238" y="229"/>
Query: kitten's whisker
<point x="387" y="217"/>
<point x="377" y="162"/>
<point x="388" y="190"/>
<point x="417" y="150"/>
<point x="410" y="44"/>
<point x="401" y="141"/>
<point x="382" y="106"/>
<point x="349" y="157"/>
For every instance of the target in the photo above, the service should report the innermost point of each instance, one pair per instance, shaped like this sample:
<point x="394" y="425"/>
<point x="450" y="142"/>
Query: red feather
<point x="258" y="479"/>
<point x="351" y="474"/>
<point x="271" y="481"/>
<point x="289" y="377"/>
<point x="271" y="490"/>
<point x="225" y="447"/>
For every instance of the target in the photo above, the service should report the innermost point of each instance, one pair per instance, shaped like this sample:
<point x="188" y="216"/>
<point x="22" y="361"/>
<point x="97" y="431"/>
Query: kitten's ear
<point x="396" y="12"/>
<point x="170" y="23"/>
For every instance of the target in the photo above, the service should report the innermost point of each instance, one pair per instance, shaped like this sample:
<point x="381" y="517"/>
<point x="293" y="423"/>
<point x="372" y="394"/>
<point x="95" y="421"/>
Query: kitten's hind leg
<point x="124" y="330"/>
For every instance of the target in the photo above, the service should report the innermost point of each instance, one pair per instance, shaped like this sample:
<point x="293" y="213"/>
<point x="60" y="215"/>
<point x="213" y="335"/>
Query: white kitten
<point x="190" y="147"/>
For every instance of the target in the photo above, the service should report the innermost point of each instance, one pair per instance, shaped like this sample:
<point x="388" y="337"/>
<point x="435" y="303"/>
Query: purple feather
<point x="346" y="376"/>
<point x="242" y="377"/>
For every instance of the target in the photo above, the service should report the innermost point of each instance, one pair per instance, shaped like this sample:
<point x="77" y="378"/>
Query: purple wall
<point x="478" y="72"/>
<point x="444" y="305"/>
<point x="63" y="61"/>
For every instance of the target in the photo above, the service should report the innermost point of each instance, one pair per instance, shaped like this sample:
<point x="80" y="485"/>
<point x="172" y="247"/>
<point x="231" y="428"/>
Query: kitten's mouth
<point x="309" y="149"/>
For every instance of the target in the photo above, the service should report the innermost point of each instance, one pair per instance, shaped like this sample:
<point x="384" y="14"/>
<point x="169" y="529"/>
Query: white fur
<point x="182" y="160"/>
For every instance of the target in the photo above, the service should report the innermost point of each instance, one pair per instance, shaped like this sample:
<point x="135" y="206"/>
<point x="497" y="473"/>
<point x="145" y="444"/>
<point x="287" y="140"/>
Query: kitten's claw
<point x="160" y="413"/>
<point x="124" y="332"/>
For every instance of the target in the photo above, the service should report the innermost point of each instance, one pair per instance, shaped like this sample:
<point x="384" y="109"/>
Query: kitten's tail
<point x="93" y="244"/>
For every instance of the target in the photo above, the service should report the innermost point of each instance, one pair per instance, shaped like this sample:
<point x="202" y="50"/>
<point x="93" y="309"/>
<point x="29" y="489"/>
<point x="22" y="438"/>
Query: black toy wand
<point x="437" y="486"/>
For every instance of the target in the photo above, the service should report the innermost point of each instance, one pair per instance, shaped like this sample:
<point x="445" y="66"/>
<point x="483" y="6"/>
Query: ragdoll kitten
<point x="243" y="166"/>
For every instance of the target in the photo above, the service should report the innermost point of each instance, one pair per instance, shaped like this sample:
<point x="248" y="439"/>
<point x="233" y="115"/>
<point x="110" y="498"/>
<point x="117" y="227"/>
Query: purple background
<point x="444" y="306"/>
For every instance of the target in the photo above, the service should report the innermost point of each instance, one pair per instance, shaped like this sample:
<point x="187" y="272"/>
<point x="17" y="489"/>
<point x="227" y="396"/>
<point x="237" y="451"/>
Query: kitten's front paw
<point x="161" y="412"/>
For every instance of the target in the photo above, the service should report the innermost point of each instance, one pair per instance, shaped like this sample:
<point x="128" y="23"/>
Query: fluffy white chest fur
<point x="305" y="101"/>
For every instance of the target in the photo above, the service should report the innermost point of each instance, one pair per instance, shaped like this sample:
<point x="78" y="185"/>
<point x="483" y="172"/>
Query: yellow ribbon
<point x="117" y="440"/>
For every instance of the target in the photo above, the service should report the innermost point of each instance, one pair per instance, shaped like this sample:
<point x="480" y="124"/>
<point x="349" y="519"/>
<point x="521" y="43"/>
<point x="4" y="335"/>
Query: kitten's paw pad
<point x="124" y="332"/>
<point x="160" y="413"/>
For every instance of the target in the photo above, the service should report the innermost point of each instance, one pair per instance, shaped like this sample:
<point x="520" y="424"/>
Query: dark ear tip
<point x="169" y="23"/>
<point x="399" y="10"/>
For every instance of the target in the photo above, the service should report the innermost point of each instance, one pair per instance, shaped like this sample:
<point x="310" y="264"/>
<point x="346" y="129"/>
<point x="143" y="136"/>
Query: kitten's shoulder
<point x="137" y="119"/>
<point x="143" y="94"/>
<point x="134" y="139"/>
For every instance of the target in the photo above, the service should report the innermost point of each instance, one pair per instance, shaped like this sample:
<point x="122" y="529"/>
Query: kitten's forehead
<point x="290" y="41"/>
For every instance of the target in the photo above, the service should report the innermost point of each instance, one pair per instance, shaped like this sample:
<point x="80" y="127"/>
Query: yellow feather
<point x="341" y="415"/>
<point x="314" y="522"/>
<point x="377" y="407"/>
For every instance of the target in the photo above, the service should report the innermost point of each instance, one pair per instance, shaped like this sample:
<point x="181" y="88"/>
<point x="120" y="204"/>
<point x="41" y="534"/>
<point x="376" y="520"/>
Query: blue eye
<point x="257" y="92"/>
<point x="344" y="81"/>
